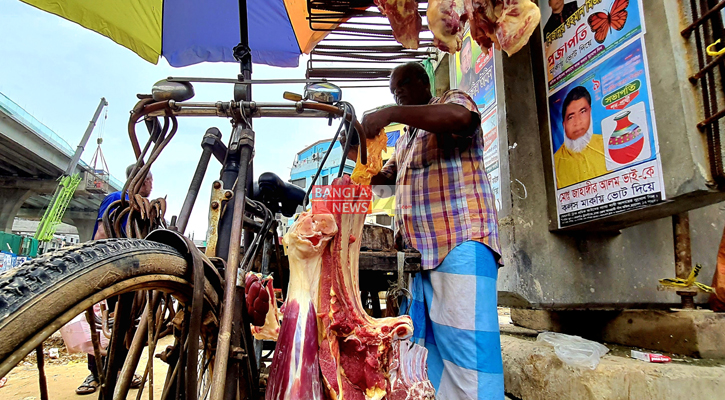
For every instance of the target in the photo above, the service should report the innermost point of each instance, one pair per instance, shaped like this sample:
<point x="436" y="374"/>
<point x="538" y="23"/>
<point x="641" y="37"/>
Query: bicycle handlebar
<point x="253" y="109"/>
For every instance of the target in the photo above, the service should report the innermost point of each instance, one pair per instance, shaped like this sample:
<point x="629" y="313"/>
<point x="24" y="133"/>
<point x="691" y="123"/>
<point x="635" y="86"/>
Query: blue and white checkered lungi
<point x="455" y="317"/>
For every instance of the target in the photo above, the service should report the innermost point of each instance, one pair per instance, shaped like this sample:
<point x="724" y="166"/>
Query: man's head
<point x="557" y="6"/>
<point x="148" y="183"/>
<point x="410" y="85"/>
<point x="466" y="54"/>
<point x="576" y="113"/>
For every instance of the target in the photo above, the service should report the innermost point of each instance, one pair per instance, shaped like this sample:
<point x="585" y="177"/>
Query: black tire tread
<point x="20" y="285"/>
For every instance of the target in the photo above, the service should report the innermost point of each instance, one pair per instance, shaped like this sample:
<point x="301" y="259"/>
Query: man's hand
<point x="352" y="153"/>
<point x="374" y="122"/>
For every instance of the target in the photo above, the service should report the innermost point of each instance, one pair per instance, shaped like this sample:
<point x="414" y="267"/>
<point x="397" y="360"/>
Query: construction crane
<point x="68" y="182"/>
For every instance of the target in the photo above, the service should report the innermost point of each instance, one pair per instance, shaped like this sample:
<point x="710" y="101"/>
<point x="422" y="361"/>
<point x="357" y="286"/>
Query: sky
<point x="58" y="71"/>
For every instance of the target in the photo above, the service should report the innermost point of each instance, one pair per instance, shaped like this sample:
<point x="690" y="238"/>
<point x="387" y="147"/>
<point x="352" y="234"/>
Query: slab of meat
<point x="404" y="19"/>
<point x="518" y="20"/>
<point x="408" y="374"/>
<point x="483" y="19"/>
<point x="446" y="19"/>
<point x="364" y="172"/>
<point x="355" y="350"/>
<point x="295" y="370"/>
<point x="506" y="24"/>
<point x="260" y="289"/>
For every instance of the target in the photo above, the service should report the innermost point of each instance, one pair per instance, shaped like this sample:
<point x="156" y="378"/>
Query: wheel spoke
<point x="40" y="361"/>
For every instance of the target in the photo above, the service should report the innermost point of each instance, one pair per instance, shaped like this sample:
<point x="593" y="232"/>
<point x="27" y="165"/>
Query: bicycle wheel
<point x="37" y="299"/>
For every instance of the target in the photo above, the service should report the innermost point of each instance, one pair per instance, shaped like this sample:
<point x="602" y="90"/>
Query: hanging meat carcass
<point x="295" y="370"/>
<point x="404" y="19"/>
<point x="505" y="24"/>
<point x="356" y="350"/>
<point x="359" y="357"/>
<point x="447" y="20"/>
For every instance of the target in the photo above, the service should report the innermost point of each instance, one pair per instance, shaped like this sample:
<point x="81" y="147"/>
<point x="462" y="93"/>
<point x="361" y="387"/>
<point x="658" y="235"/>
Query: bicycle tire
<point x="38" y="298"/>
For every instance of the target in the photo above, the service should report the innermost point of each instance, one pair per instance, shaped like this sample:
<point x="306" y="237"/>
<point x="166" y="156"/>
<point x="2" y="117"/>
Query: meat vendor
<point x="445" y="209"/>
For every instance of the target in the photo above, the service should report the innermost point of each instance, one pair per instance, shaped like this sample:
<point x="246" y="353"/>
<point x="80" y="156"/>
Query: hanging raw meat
<point x="482" y="19"/>
<point x="518" y="20"/>
<point x="262" y="306"/>
<point x="408" y="375"/>
<point x="364" y="172"/>
<point x="446" y="19"/>
<point x="357" y="356"/>
<point x="356" y="349"/>
<point x="295" y="370"/>
<point x="404" y="19"/>
<point x="506" y="24"/>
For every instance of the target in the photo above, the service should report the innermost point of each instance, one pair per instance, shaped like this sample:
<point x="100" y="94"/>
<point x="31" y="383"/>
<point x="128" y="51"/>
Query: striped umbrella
<point x="187" y="32"/>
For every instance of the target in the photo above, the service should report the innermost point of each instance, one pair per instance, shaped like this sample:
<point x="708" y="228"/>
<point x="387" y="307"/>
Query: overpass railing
<point x="23" y="117"/>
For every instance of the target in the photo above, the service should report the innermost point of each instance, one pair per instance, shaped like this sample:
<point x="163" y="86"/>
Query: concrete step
<point x="695" y="333"/>
<point x="533" y="372"/>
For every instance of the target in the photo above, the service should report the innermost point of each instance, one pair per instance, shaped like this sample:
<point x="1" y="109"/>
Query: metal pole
<point x="245" y="55"/>
<point x="230" y="274"/>
<point x="683" y="250"/>
<point x="683" y="256"/>
<point x="42" y="382"/>
<point x="79" y="150"/>
<point x="207" y="145"/>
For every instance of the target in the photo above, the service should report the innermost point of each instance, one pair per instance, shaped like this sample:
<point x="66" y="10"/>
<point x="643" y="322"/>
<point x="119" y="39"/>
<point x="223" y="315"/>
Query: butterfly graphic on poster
<point x="602" y="23"/>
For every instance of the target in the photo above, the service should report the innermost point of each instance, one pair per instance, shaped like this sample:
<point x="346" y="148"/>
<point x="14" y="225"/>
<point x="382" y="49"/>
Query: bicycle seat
<point x="278" y="195"/>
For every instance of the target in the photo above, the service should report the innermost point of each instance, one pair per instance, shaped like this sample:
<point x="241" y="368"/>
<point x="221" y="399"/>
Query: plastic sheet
<point x="574" y="350"/>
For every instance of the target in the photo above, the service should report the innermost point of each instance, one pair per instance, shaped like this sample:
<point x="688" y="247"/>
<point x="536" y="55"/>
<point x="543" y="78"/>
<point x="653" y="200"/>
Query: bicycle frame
<point x="235" y="340"/>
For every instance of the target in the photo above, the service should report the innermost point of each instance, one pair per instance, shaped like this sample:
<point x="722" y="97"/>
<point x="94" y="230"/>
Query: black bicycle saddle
<point x="278" y="195"/>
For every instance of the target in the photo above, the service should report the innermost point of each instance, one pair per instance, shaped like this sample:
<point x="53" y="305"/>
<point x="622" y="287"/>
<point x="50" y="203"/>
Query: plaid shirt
<point x="442" y="199"/>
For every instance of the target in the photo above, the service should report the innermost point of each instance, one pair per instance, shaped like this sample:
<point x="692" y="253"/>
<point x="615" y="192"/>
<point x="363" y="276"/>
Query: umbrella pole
<point x="227" y="375"/>
<point x="242" y="51"/>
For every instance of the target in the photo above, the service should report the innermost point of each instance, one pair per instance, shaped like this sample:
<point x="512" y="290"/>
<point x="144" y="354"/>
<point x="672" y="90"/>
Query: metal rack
<point x="360" y="48"/>
<point x="705" y="28"/>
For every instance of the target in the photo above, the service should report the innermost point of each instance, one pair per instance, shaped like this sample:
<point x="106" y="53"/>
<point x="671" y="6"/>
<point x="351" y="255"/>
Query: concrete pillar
<point x="10" y="202"/>
<point x="85" y="228"/>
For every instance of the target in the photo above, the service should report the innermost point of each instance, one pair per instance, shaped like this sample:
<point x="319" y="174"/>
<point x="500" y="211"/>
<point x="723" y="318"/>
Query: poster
<point x="475" y="73"/>
<point x="604" y="140"/>
<point x="491" y="159"/>
<point x="578" y="33"/>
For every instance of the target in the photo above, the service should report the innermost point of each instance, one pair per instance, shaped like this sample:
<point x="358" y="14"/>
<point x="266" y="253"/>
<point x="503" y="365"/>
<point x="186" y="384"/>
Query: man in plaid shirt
<point x="445" y="208"/>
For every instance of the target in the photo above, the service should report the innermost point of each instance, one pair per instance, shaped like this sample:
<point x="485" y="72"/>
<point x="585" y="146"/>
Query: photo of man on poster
<point x="559" y="12"/>
<point x="468" y="75"/>
<point x="581" y="156"/>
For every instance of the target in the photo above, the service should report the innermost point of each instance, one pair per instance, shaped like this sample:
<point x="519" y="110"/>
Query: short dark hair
<point x="466" y="40"/>
<point x="579" y="92"/>
<point x="129" y="169"/>
<point x="417" y="69"/>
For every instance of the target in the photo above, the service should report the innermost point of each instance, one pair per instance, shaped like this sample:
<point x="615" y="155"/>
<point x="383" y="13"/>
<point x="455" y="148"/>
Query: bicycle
<point x="158" y="276"/>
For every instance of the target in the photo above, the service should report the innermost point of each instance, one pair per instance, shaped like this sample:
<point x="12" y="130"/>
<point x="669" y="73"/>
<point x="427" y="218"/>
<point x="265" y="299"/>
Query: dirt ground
<point x="67" y="372"/>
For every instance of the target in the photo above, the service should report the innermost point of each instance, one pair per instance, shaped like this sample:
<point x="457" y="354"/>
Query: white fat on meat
<point x="505" y="24"/>
<point x="446" y="19"/>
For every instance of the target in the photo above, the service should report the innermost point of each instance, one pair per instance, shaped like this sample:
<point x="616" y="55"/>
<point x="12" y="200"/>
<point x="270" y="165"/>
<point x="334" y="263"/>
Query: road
<point x="63" y="379"/>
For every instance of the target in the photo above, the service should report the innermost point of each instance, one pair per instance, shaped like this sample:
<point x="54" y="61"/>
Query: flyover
<point x="32" y="158"/>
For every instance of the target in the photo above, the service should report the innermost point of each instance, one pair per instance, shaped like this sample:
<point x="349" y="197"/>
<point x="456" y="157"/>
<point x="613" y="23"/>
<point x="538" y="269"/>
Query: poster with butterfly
<point x="578" y="33"/>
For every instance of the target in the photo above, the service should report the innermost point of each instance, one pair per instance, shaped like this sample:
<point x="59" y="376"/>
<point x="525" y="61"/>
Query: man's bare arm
<point x="437" y="118"/>
<point x="100" y="233"/>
